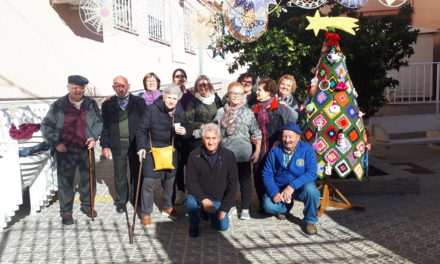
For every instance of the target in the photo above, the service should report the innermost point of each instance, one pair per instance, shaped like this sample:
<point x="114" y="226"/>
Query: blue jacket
<point x="302" y="169"/>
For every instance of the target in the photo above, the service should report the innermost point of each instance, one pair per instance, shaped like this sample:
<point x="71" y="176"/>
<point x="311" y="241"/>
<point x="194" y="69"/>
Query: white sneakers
<point x="244" y="213"/>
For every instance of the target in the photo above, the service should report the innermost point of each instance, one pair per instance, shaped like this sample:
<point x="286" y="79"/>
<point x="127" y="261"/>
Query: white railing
<point x="157" y="26"/>
<point x="419" y="83"/>
<point x="122" y="15"/>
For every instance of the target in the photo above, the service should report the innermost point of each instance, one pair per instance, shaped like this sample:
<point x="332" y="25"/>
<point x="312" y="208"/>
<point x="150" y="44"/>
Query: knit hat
<point x="292" y="127"/>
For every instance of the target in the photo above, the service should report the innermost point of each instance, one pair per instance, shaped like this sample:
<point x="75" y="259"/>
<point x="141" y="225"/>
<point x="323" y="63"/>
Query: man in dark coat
<point x="211" y="181"/>
<point x="72" y="127"/>
<point x="121" y="114"/>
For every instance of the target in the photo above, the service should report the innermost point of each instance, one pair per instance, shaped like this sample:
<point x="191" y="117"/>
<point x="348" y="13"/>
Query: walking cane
<point x="136" y="202"/>
<point x="92" y="200"/>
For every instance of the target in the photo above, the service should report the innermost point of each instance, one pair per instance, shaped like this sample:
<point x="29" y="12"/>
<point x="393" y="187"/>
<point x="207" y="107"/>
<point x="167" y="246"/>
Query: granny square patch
<point x="331" y="156"/>
<point x="332" y="81"/>
<point x="328" y="112"/>
<point x="358" y="171"/>
<point x="320" y="145"/>
<point x="351" y="112"/>
<point x="321" y="98"/>
<point x="331" y="133"/>
<point x="308" y="134"/>
<point x="340" y="71"/>
<point x="360" y="124"/>
<point x="361" y="147"/>
<point x="351" y="158"/>
<point x="341" y="98"/>
<point x="320" y="119"/>
<point x="353" y="135"/>
<point x="342" y="122"/>
<point x="342" y="168"/>
<point x="323" y="72"/>
<point x="344" y="145"/>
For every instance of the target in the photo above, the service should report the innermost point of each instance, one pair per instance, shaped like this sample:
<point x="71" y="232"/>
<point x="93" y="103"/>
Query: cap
<point x="77" y="79"/>
<point x="292" y="127"/>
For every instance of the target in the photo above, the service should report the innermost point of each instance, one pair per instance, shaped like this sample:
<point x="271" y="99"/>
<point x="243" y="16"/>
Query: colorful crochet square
<point x="328" y="112"/>
<point x="323" y="72"/>
<point x="321" y="168"/>
<point x="331" y="156"/>
<point x="358" y="171"/>
<point x="342" y="122"/>
<point x="320" y="119"/>
<point x="331" y="133"/>
<point x="353" y="135"/>
<point x="351" y="112"/>
<point x="365" y="136"/>
<point x="340" y="71"/>
<point x="308" y="134"/>
<point x="344" y="146"/>
<point x="321" y="98"/>
<point x="342" y="168"/>
<point x="351" y="158"/>
<point x="341" y="98"/>
<point x="320" y="145"/>
<point x="360" y="125"/>
<point x="332" y="80"/>
<point x="361" y="147"/>
<point x="313" y="89"/>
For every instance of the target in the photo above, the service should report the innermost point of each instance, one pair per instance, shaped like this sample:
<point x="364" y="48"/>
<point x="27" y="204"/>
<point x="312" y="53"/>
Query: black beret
<point x="77" y="79"/>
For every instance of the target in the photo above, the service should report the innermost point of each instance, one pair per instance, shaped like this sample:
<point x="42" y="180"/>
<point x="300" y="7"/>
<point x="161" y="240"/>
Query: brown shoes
<point x="171" y="213"/>
<point x="146" y="220"/>
<point x="311" y="229"/>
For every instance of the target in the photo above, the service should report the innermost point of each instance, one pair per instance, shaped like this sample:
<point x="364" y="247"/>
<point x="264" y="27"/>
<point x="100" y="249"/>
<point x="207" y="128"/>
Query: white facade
<point x="44" y="42"/>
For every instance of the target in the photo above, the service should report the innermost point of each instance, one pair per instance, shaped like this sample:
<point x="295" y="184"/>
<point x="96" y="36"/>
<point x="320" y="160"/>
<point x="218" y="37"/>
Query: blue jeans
<point x="193" y="209"/>
<point x="308" y="194"/>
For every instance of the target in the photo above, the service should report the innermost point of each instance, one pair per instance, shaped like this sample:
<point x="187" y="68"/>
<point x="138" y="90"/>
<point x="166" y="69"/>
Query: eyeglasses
<point x="246" y="82"/>
<point x="151" y="81"/>
<point x="180" y="76"/>
<point x="202" y="85"/>
<point x="236" y="94"/>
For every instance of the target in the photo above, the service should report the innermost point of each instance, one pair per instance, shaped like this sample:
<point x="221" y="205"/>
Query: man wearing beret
<point x="122" y="113"/>
<point x="71" y="127"/>
<point x="289" y="174"/>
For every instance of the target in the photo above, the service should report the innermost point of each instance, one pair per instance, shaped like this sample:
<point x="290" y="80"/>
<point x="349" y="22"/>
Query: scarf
<point x="263" y="115"/>
<point x="206" y="100"/>
<point x="228" y="119"/>
<point x="290" y="100"/>
<point x="149" y="97"/>
<point x="123" y="101"/>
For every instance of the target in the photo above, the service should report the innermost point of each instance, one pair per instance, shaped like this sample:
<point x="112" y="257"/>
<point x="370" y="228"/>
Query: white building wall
<point x="40" y="49"/>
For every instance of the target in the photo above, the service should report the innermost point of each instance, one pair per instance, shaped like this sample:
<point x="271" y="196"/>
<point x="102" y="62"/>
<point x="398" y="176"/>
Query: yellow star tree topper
<point x="318" y="22"/>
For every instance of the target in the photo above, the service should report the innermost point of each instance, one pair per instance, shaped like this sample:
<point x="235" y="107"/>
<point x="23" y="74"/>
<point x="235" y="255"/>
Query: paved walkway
<point x="393" y="229"/>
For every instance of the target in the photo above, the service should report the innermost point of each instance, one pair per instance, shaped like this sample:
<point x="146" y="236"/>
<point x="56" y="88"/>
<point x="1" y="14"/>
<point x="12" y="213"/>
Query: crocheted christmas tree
<point x="332" y="122"/>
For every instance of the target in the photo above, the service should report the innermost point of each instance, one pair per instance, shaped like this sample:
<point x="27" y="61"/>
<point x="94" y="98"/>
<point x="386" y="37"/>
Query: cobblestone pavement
<point x="393" y="229"/>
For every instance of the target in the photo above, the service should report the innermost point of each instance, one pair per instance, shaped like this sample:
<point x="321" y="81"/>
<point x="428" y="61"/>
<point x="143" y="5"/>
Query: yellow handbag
<point x="163" y="157"/>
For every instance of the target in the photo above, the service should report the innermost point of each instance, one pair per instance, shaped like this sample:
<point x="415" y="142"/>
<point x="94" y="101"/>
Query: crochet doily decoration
<point x="246" y="25"/>
<point x="392" y="3"/>
<point x="97" y="16"/>
<point x="308" y="4"/>
<point x="353" y="3"/>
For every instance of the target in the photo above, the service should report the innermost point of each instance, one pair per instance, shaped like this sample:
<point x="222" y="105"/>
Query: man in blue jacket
<point x="288" y="174"/>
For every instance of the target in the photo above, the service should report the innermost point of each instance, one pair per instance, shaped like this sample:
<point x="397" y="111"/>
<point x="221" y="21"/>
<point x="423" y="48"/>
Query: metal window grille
<point x="187" y="39"/>
<point x="122" y="15"/>
<point x="157" y="28"/>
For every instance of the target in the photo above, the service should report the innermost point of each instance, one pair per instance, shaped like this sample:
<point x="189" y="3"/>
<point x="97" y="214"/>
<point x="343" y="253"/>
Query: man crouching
<point x="211" y="182"/>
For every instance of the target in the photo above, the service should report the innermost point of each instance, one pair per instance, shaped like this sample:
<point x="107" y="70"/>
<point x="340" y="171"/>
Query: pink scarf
<point x="228" y="119"/>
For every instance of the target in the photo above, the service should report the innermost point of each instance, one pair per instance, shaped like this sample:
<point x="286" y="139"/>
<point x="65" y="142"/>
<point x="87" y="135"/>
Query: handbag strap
<point x="172" y="137"/>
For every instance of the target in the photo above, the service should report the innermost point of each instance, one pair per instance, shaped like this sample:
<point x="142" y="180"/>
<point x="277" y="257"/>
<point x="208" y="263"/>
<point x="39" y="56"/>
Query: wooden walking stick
<point x="92" y="198"/>
<point x="136" y="202"/>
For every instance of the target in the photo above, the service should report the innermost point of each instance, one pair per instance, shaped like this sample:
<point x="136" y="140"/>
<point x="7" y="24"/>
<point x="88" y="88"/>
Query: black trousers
<point x="258" y="180"/>
<point x="244" y="177"/>
<point x="66" y="167"/>
<point x="127" y="157"/>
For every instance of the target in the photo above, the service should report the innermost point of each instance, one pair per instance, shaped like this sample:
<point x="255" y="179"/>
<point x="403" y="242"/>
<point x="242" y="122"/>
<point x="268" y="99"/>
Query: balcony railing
<point x="419" y="83"/>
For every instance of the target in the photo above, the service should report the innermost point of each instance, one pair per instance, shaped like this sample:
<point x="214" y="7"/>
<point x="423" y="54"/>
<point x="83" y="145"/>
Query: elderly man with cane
<point x="71" y="127"/>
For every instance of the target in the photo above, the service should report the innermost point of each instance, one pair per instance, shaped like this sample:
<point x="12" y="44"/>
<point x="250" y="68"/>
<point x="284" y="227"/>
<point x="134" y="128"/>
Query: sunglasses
<point x="180" y="76"/>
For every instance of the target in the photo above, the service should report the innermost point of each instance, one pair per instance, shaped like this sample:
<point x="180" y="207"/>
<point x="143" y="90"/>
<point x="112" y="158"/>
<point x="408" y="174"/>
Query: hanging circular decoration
<point x="324" y="85"/>
<point x="392" y="3"/>
<point x="353" y="3"/>
<point x="97" y="16"/>
<point x="245" y="25"/>
<point x="308" y="4"/>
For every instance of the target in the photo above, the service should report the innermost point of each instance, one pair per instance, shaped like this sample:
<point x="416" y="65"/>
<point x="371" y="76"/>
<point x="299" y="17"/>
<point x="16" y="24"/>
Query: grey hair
<point x="172" y="89"/>
<point x="211" y="127"/>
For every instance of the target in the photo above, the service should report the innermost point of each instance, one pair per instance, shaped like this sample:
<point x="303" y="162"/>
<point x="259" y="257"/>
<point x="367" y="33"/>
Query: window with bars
<point x="157" y="27"/>
<point x="187" y="38"/>
<point x="122" y="15"/>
